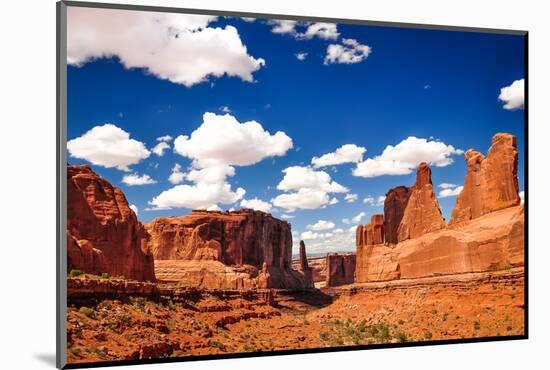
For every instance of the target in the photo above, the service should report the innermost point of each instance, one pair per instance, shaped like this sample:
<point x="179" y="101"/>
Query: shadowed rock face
<point x="394" y="207"/>
<point x="239" y="239"/>
<point x="422" y="214"/>
<point x="103" y="233"/>
<point x="491" y="182"/>
<point x="340" y="269"/>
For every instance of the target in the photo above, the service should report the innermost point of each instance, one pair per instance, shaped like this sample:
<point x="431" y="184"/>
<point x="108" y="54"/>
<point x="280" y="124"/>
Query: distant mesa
<point x="103" y="233"/>
<point x="486" y="232"/>
<point x="241" y="249"/>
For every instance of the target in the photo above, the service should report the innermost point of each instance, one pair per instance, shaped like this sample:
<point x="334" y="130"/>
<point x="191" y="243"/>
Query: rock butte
<point x="103" y="233"/>
<point x="486" y="232"/>
<point x="226" y="250"/>
<point x="340" y="269"/>
<point x="304" y="266"/>
<point x="422" y="214"/>
<point x="491" y="182"/>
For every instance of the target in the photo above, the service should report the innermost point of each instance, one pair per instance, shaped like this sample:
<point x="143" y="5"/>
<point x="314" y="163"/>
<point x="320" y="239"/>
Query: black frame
<point x="61" y="174"/>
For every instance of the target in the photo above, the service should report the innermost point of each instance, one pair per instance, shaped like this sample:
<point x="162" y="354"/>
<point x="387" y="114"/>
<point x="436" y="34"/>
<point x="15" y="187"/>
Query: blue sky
<point x="387" y="85"/>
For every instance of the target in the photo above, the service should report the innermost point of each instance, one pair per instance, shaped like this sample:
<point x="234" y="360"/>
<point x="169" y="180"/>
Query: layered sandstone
<point x="422" y="214"/>
<point x="494" y="241"/>
<point x="491" y="182"/>
<point x="103" y="233"/>
<point x="371" y="233"/>
<point x="224" y="246"/>
<point x="340" y="269"/>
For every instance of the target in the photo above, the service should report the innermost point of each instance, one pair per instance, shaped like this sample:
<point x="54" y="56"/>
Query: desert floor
<point x="437" y="308"/>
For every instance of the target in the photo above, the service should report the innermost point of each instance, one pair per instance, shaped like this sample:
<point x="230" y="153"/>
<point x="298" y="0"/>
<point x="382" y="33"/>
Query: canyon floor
<point x="216" y="322"/>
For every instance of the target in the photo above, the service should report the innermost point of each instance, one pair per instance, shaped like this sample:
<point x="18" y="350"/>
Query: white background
<point x="27" y="185"/>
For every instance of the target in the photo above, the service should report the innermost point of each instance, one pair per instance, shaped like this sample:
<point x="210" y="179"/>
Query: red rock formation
<point x="236" y="240"/>
<point x="304" y="267"/>
<point x="317" y="265"/>
<point x="377" y="229"/>
<point x="360" y="236"/>
<point x="371" y="233"/>
<point x="422" y="214"/>
<point x="494" y="241"/>
<point x="394" y="207"/>
<point x="491" y="182"/>
<point x="340" y="269"/>
<point x="103" y="233"/>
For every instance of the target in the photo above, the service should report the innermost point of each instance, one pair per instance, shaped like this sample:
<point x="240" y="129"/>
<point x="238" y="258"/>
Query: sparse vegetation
<point x="87" y="311"/>
<point x="75" y="273"/>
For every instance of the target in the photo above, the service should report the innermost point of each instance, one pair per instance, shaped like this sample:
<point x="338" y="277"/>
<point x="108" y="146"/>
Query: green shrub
<point x="401" y="337"/>
<point x="87" y="311"/>
<point x="75" y="273"/>
<point x="476" y="325"/>
<point x="428" y="335"/>
<point x="105" y="275"/>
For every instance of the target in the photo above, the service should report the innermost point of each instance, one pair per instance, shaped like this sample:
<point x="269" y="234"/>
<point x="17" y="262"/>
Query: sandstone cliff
<point x="228" y="247"/>
<point x="494" y="241"/>
<point x="422" y="214"/>
<point x="394" y="207"/>
<point x="486" y="232"/>
<point x="491" y="182"/>
<point x="340" y="269"/>
<point x="103" y="233"/>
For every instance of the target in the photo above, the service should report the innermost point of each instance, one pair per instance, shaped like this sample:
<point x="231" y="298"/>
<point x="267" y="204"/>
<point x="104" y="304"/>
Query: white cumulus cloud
<point x="299" y="177"/>
<point x="325" y="31"/>
<point x="306" y="189"/>
<point x="283" y="26"/>
<point x="165" y="138"/>
<point x="354" y="220"/>
<point x="301" y="56"/>
<point x="181" y="48"/>
<point x="301" y="199"/>
<point x="350" y="198"/>
<point x="349" y="52"/>
<point x="160" y="148"/>
<point x="215" y="147"/>
<point x="135" y="179"/>
<point x="371" y="201"/>
<point x="449" y="190"/>
<point x="404" y="157"/>
<point x="176" y="176"/>
<point x="321" y="225"/>
<point x="348" y="153"/>
<point x="257" y="204"/>
<point x="108" y="146"/>
<point x="134" y="208"/>
<point x="336" y="241"/>
<point x="221" y="139"/>
<point x="513" y="95"/>
<point x="197" y="196"/>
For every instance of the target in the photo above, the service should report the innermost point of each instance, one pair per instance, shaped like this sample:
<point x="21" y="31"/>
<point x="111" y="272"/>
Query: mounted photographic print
<point x="235" y="184"/>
